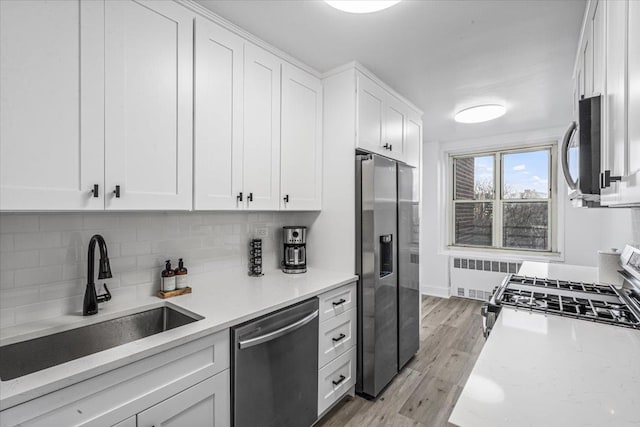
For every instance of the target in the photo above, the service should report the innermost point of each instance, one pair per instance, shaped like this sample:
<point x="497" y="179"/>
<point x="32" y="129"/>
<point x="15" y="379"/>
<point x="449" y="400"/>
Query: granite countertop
<point x="222" y="300"/>
<point x="538" y="369"/>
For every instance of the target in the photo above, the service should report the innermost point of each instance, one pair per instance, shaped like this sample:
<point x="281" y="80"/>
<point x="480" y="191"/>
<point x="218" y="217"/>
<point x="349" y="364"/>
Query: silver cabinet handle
<point x="278" y="333"/>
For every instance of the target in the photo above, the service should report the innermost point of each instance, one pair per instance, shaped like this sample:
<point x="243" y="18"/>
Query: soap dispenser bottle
<point x="168" y="281"/>
<point x="181" y="276"/>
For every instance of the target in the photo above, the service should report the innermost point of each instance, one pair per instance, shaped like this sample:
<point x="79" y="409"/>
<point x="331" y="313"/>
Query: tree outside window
<point x="503" y="199"/>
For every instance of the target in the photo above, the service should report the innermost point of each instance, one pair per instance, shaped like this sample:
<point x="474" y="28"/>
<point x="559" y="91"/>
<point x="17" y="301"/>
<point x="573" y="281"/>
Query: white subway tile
<point x="62" y="290"/>
<point x="38" y="276"/>
<point x="17" y="260"/>
<point x="39" y="240"/>
<point x="100" y="221"/>
<point x="75" y="271"/>
<point x="135" y="278"/>
<point x="16" y="223"/>
<point x="59" y="256"/>
<point x="61" y="222"/>
<point x="7" y="317"/>
<point x="7" y="279"/>
<point x="135" y="248"/>
<point x="122" y="264"/>
<point x="6" y="242"/>
<point x="12" y="298"/>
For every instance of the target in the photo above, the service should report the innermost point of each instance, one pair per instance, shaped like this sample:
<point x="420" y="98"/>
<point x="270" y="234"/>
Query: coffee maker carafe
<point x="295" y="251"/>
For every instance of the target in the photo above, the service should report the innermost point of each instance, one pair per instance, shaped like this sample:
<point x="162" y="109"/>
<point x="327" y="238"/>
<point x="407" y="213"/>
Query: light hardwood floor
<point x="425" y="391"/>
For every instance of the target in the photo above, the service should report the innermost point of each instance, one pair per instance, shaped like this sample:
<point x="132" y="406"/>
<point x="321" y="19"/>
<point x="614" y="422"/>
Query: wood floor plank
<point x="425" y="392"/>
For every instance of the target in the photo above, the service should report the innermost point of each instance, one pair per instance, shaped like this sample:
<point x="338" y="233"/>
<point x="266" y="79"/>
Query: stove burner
<point x="598" y="303"/>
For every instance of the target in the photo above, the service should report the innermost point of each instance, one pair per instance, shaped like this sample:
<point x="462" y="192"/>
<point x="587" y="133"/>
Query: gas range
<point x="587" y="301"/>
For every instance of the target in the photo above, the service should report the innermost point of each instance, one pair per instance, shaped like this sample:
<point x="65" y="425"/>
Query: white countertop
<point x="539" y="370"/>
<point x="223" y="300"/>
<point x="576" y="273"/>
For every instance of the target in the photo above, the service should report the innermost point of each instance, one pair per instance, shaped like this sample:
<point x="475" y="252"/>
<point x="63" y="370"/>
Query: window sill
<point x="501" y="254"/>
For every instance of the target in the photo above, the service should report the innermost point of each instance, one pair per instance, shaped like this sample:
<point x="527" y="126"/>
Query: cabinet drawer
<point x="115" y="395"/>
<point x="335" y="379"/>
<point x="337" y="335"/>
<point x="337" y="301"/>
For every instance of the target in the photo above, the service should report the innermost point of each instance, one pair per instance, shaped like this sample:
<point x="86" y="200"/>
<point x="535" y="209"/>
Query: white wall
<point x="43" y="257"/>
<point x="585" y="230"/>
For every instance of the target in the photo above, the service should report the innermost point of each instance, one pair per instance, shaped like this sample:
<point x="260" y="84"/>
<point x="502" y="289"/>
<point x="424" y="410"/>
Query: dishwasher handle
<point x="278" y="333"/>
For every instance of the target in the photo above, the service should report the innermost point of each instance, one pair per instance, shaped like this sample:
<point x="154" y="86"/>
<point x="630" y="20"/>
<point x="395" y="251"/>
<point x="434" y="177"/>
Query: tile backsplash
<point x="635" y="224"/>
<point x="43" y="257"/>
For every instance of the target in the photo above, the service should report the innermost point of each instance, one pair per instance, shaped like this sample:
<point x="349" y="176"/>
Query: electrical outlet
<point x="261" y="232"/>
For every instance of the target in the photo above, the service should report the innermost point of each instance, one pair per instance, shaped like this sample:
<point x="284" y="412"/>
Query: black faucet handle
<point x="106" y="296"/>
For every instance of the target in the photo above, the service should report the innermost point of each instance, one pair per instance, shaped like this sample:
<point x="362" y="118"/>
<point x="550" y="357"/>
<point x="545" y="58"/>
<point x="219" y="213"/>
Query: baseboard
<point x="435" y="291"/>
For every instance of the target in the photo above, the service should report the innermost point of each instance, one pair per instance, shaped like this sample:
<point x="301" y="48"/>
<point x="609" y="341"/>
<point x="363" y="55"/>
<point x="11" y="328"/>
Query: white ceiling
<point x="444" y="55"/>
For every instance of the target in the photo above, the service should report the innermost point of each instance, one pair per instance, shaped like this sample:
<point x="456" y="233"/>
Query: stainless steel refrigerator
<point x="387" y="227"/>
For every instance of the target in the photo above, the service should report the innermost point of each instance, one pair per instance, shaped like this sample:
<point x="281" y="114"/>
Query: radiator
<point x="476" y="278"/>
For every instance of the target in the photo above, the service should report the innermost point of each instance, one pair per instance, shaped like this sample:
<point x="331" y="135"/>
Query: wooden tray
<point x="169" y="294"/>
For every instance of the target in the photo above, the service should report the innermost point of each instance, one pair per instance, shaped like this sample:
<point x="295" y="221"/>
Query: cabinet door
<point x="218" y="118"/>
<point x="51" y="105"/>
<point x="598" y="46"/>
<point x="631" y="189"/>
<point x="413" y="141"/>
<point x="301" y="143"/>
<point x="370" y="128"/>
<point x="206" y="404"/>
<point x="395" y="127"/>
<point x="261" y="168"/>
<point x="587" y="64"/>
<point x="615" y="125"/>
<point x="148" y="105"/>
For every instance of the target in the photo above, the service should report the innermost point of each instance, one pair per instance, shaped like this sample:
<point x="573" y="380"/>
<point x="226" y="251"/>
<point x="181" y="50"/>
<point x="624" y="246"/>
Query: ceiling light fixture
<point x="480" y="113"/>
<point x="361" y="6"/>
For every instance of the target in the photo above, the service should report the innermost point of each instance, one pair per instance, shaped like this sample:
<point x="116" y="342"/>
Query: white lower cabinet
<point x="185" y="385"/>
<point x="205" y="404"/>
<point x="336" y="379"/>
<point x="336" y="345"/>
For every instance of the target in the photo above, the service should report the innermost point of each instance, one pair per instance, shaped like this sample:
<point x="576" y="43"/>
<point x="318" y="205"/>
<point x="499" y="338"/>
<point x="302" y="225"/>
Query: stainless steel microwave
<point x="581" y="153"/>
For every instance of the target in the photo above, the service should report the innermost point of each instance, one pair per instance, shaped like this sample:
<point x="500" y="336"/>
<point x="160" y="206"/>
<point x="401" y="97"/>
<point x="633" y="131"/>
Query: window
<point x="504" y="200"/>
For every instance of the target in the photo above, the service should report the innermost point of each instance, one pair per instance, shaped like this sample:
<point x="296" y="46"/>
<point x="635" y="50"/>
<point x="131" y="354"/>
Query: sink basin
<point x="30" y="356"/>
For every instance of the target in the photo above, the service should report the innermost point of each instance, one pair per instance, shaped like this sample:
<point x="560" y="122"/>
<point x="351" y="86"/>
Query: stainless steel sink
<point x="30" y="356"/>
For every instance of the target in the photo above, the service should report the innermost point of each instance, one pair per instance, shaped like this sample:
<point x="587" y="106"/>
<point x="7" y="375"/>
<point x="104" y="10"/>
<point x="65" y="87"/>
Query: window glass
<point x="526" y="175"/>
<point x="474" y="223"/>
<point x="526" y="225"/>
<point x="474" y="177"/>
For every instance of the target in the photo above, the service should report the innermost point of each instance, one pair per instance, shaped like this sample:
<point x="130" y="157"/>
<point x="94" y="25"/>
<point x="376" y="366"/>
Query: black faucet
<point x="91" y="299"/>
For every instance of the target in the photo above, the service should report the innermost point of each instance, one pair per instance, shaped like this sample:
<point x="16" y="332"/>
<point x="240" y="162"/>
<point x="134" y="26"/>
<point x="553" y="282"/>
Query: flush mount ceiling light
<point x="361" y="6"/>
<point x="480" y="113"/>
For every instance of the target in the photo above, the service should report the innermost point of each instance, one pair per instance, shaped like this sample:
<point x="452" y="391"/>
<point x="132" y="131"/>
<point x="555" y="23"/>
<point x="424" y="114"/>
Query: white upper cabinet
<point x="51" y="109"/>
<point x="148" y="105"/>
<point x="301" y="140"/>
<point x="395" y="127"/>
<point x="631" y="181"/>
<point x="261" y="148"/>
<point x="371" y="115"/>
<point x="383" y="124"/>
<point x="218" y="118"/>
<point x="413" y="140"/>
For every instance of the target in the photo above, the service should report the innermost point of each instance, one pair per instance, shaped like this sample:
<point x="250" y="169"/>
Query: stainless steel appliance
<point x="275" y="368"/>
<point x="387" y="265"/>
<point x="581" y="155"/>
<point x="593" y="302"/>
<point x="294" y="240"/>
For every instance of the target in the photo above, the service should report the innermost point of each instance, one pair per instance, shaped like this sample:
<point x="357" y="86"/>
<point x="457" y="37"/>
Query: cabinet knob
<point x="250" y="197"/>
<point x="239" y="197"/>
<point x="95" y="191"/>
<point x="386" y="146"/>
<point x="286" y="198"/>
<point x="390" y="147"/>
<point x="117" y="192"/>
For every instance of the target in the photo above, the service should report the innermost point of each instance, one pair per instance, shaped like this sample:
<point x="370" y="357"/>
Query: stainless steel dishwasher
<point x="275" y="368"/>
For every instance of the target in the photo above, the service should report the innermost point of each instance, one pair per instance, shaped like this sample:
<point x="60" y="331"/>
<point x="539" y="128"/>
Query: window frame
<point x="498" y="202"/>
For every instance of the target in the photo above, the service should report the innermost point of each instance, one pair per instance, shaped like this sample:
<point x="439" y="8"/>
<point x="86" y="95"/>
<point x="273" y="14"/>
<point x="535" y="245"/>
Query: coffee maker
<point x="294" y="240"/>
